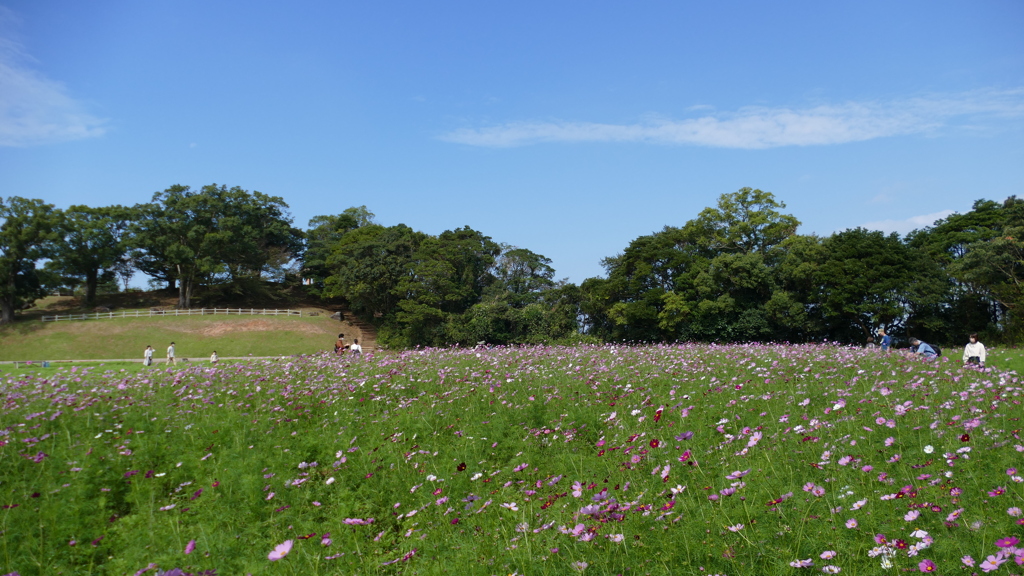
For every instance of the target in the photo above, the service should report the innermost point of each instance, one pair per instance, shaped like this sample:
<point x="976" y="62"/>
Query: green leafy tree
<point x="997" y="265"/>
<point x="869" y="279"/>
<point x="522" y="273"/>
<point x="367" y="266"/>
<point x="737" y="247"/>
<point x="194" y="238"/>
<point x="970" y="306"/>
<point x="322" y="237"/>
<point x="449" y="274"/>
<point x="26" y="236"/>
<point x="91" y="243"/>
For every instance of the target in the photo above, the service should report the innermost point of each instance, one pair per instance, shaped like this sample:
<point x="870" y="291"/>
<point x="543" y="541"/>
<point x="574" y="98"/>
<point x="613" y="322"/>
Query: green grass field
<point x="196" y="337"/>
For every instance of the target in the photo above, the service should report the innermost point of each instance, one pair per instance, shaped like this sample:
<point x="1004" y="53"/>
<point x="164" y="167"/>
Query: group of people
<point x="340" y="347"/>
<point x="147" y="356"/>
<point x="974" y="351"/>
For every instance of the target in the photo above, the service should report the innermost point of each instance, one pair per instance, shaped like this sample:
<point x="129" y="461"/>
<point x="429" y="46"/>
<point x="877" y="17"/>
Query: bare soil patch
<point x="221" y="328"/>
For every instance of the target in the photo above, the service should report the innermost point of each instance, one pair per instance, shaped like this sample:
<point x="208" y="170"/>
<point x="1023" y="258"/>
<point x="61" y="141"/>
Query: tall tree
<point x="869" y="279"/>
<point x="522" y="274"/>
<point x="192" y="237"/>
<point x="449" y="274"/>
<point x="91" y="244"/>
<point x="26" y="235"/>
<point x="367" y="266"/>
<point x="322" y="237"/>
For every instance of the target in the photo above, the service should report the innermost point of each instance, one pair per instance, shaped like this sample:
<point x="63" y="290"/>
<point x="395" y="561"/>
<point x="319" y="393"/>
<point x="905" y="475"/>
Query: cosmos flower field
<point x="683" y="459"/>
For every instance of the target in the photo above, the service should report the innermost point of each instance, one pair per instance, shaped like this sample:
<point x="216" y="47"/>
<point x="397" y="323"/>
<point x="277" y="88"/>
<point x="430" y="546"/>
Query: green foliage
<point x="868" y="279"/>
<point x="91" y="243"/>
<point x="214" y="235"/>
<point x="367" y="266"/>
<point x="709" y="280"/>
<point x="27" y="234"/>
<point x="322" y="237"/>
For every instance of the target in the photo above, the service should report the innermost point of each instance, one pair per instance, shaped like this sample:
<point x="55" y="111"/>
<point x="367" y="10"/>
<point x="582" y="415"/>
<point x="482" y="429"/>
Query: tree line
<point x="737" y="272"/>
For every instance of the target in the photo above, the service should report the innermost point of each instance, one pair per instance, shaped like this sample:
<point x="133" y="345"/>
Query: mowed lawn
<point x="196" y="337"/>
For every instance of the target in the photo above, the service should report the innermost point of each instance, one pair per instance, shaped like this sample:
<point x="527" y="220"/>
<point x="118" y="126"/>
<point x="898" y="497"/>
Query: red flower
<point x="965" y="437"/>
<point x="461" y="467"/>
<point x="655" y="443"/>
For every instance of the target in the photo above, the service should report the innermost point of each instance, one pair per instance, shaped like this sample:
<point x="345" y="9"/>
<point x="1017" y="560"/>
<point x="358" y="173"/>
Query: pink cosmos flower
<point x="737" y="474"/>
<point x="991" y="563"/>
<point x="190" y="546"/>
<point x="968" y="561"/>
<point x="851" y="523"/>
<point x="1007" y="542"/>
<point x="802" y="563"/>
<point x="828" y="555"/>
<point x="926" y="566"/>
<point x="280" y="551"/>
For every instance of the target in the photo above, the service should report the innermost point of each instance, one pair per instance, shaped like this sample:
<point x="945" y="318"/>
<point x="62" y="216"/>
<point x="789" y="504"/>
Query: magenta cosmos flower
<point x="280" y="551"/>
<point x="1007" y="542"/>
<point x="926" y="566"/>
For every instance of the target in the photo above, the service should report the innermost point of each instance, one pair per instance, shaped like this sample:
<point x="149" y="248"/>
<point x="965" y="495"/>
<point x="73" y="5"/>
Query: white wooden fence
<point x="174" y="312"/>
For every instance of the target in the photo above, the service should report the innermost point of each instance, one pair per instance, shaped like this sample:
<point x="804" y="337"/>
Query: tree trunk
<point x="184" y="293"/>
<point x="6" y="311"/>
<point x="181" y="295"/>
<point x="7" y="303"/>
<point x="90" y="287"/>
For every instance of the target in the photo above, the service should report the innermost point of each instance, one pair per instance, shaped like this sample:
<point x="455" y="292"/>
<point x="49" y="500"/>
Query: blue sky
<point x="569" y="128"/>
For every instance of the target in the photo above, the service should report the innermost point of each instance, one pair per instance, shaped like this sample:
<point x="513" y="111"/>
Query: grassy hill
<point x="195" y="336"/>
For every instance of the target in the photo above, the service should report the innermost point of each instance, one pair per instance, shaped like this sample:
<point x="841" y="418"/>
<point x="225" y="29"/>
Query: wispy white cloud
<point x="33" y="108"/>
<point x="766" y="127"/>
<point x="904" y="226"/>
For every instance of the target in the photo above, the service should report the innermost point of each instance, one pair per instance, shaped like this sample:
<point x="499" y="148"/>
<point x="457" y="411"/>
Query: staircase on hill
<point x="354" y="327"/>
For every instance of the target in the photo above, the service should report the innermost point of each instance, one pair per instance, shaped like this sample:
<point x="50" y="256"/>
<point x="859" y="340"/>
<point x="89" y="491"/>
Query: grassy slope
<point x="195" y="336"/>
<point x="28" y="338"/>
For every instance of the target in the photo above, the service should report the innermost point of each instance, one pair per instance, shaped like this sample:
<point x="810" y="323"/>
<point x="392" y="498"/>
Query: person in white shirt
<point x="974" y="352"/>
<point x="355" y="347"/>
<point x="148" y="356"/>
<point x="170" y="354"/>
<point x="213" y="357"/>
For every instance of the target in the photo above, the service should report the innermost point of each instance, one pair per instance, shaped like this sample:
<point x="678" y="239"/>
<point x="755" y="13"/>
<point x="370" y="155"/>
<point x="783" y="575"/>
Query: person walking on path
<point x="148" y="356"/>
<point x="884" y="340"/>
<point x="974" y="352"/>
<point x="170" y="354"/>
